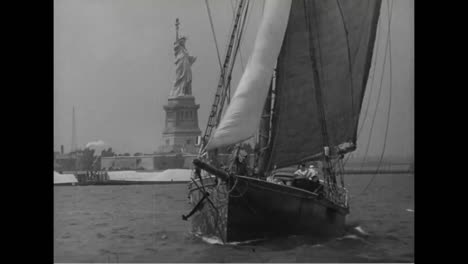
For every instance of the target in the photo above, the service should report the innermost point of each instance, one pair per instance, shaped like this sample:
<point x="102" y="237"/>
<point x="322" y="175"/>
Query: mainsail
<point x="337" y="38"/>
<point x="242" y="117"/>
<point x="343" y="35"/>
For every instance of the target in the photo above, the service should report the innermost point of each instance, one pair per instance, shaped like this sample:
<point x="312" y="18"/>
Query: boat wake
<point x="354" y="233"/>
<point x="350" y="237"/>
<point x="359" y="231"/>
<point x="212" y="240"/>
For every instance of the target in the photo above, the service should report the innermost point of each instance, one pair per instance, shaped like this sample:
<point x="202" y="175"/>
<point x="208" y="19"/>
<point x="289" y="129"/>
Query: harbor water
<point x="143" y="223"/>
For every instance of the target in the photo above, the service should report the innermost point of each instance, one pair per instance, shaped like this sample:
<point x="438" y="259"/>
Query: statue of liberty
<point x="183" y="61"/>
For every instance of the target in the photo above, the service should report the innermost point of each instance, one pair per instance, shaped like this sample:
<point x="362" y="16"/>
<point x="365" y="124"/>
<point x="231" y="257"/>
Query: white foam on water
<point x="352" y="238"/>
<point x="361" y="231"/>
<point x="410" y="210"/>
<point x="212" y="240"/>
<point x="349" y="237"/>
<point x="217" y="241"/>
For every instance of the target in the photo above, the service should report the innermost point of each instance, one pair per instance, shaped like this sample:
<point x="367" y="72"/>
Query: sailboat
<point x="301" y="93"/>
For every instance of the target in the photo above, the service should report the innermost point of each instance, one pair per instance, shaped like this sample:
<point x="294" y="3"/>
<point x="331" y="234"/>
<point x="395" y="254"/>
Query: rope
<point x="213" y="31"/>
<point x="372" y="84"/>
<point x="378" y="99"/>
<point x="374" y="65"/>
<point x="315" y="70"/>
<point x="240" y="52"/>
<point x="316" y="21"/>
<point x="349" y="61"/>
<point x="240" y="33"/>
<point x="234" y="56"/>
<point x="216" y="209"/>
<point x="364" y="19"/>
<point x="390" y="94"/>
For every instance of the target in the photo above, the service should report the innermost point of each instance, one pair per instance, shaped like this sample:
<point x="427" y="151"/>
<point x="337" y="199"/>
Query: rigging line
<point x="362" y="28"/>
<point x="240" y="51"/>
<point x="214" y="35"/>
<point x="318" y="45"/>
<point x="228" y="87"/>
<point x="389" y="100"/>
<point x="245" y="20"/>
<point x="390" y="95"/>
<point x="380" y="91"/>
<point x="369" y="99"/>
<point x="347" y="158"/>
<point x="350" y="66"/>
<point x="309" y="28"/>
<point x="318" y="91"/>
<point x="410" y="81"/>
<point x="248" y="15"/>
<point x="238" y="47"/>
<point x="247" y="24"/>
<point x="242" y="22"/>
<point x="239" y="37"/>
<point x="234" y="55"/>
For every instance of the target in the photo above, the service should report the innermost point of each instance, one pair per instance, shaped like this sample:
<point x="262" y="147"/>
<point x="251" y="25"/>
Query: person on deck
<point x="240" y="164"/>
<point x="312" y="172"/>
<point x="301" y="173"/>
<point x="273" y="179"/>
<point x="300" y="177"/>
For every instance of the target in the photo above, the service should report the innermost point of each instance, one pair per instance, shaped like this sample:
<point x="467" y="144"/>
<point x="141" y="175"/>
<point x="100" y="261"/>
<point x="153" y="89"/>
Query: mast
<point x="264" y="134"/>
<point x="73" y="140"/>
<point x="177" y="29"/>
<point x="73" y="147"/>
<point x="221" y="91"/>
<point x="266" y="126"/>
<point x="327" y="168"/>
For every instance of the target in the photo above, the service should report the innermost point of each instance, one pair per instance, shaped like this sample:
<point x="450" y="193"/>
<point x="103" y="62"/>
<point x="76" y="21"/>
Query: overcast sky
<point x="113" y="61"/>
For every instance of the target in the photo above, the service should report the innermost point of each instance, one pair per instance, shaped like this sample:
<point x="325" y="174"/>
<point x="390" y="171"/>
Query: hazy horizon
<point x="113" y="61"/>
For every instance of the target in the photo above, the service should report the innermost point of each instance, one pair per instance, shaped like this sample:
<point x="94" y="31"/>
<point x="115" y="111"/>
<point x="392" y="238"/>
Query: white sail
<point x="243" y="115"/>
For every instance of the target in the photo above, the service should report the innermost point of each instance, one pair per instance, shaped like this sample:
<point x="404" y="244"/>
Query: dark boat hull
<point x="256" y="209"/>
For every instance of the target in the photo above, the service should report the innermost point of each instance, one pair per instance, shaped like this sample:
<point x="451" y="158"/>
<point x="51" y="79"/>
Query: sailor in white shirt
<point x="301" y="173"/>
<point x="312" y="172"/>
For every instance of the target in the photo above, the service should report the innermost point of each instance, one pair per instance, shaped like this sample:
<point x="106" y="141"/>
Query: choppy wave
<point x="141" y="223"/>
<point x="360" y="232"/>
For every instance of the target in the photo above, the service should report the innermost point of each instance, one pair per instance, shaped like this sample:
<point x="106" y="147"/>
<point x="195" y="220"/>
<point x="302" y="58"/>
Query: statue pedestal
<point x="181" y="130"/>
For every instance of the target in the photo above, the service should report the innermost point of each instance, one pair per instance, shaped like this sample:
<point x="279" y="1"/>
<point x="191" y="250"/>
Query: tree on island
<point x="86" y="159"/>
<point x="107" y="153"/>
